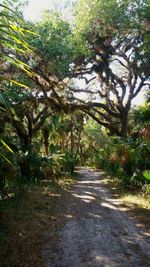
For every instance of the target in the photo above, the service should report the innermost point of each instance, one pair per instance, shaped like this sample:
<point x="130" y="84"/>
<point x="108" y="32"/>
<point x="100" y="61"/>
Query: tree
<point x="25" y="85"/>
<point x="116" y="36"/>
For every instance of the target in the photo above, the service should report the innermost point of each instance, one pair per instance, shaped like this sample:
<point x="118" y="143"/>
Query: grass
<point x="136" y="199"/>
<point x="136" y="202"/>
<point x="24" y="219"/>
<point x="127" y="194"/>
<point x="138" y="208"/>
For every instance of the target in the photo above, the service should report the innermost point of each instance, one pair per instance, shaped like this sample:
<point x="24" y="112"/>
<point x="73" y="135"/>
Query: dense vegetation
<point x="67" y="89"/>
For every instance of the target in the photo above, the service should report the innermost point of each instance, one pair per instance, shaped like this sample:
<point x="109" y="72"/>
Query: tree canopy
<point x="116" y="36"/>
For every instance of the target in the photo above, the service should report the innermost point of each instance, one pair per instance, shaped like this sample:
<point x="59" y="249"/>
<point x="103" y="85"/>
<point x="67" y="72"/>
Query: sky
<point x="35" y="8"/>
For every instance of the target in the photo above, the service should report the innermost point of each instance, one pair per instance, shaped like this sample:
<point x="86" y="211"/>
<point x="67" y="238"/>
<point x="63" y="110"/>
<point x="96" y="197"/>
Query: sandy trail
<point x="96" y="230"/>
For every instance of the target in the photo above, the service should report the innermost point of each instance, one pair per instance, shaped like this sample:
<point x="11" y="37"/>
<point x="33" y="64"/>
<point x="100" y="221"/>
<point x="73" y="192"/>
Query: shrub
<point x="137" y="179"/>
<point x="146" y="175"/>
<point x="127" y="159"/>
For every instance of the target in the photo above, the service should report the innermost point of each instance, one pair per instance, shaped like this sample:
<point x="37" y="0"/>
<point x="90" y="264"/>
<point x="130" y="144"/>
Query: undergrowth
<point x="129" y="194"/>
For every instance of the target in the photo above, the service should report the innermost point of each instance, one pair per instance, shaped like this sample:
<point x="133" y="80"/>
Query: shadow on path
<point x="94" y="229"/>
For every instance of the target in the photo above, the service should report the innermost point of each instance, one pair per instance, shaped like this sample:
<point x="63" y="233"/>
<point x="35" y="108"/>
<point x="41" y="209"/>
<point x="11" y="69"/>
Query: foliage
<point x="65" y="135"/>
<point x="141" y="116"/>
<point x="117" y="17"/>
<point x="114" y="33"/>
<point x="92" y="139"/>
<point x="13" y="44"/>
<point x="13" y="33"/>
<point x="127" y="159"/>
<point x="146" y="174"/>
<point x="54" y="43"/>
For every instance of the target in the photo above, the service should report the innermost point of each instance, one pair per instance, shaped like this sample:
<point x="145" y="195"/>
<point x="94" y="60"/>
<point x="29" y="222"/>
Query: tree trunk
<point x="124" y="123"/>
<point x="25" y="165"/>
<point x="72" y="150"/>
<point x="72" y="142"/>
<point x="79" y="137"/>
<point x="46" y="137"/>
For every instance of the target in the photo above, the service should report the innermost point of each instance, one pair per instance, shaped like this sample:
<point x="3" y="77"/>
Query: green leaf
<point x="20" y="84"/>
<point x="6" y="158"/>
<point x="6" y="146"/>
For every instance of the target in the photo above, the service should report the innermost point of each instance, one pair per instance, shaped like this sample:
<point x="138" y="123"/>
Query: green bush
<point x="126" y="159"/>
<point x="137" y="179"/>
<point x="146" y="175"/>
<point x="69" y="162"/>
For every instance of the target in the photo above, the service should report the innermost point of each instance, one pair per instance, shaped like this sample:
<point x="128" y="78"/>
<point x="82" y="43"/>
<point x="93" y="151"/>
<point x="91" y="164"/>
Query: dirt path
<point x="95" y="230"/>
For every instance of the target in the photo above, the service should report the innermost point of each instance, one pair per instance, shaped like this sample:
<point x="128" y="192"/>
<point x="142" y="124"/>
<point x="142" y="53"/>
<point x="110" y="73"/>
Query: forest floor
<point x="25" y="217"/>
<point x="95" y="228"/>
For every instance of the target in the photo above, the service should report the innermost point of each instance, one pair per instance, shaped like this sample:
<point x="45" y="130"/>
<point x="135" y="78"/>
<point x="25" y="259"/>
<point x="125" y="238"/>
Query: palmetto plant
<point x="13" y="31"/>
<point x="121" y="154"/>
<point x="13" y="48"/>
<point x="127" y="154"/>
